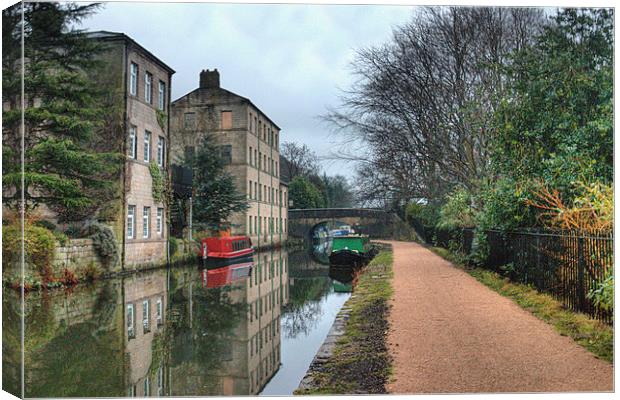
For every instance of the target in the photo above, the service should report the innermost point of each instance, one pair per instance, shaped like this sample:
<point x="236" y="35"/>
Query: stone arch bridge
<point x="378" y="224"/>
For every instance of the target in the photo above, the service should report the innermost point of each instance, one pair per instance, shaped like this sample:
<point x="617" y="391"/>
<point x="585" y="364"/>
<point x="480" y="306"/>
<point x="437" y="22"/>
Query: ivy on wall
<point x="158" y="185"/>
<point x="162" y="119"/>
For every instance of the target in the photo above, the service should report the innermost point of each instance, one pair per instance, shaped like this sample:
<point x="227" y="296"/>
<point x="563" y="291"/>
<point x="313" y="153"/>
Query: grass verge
<point x="360" y="362"/>
<point x="594" y="336"/>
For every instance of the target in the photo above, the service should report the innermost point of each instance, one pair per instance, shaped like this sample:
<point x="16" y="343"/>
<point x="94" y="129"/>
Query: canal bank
<point x="354" y="358"/>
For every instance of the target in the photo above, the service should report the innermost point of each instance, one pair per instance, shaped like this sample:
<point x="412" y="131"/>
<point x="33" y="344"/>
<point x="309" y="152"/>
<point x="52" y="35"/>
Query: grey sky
<point x="290" y="60"/>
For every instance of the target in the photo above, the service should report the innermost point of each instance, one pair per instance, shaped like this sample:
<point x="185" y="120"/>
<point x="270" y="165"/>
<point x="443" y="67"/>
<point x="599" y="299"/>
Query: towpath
<point x="451" y="334"/>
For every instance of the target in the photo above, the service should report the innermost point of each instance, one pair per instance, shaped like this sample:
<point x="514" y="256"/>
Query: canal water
<point x="248" y="329"/>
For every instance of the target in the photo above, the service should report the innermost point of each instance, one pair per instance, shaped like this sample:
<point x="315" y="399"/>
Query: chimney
<point x="209" y="79"/>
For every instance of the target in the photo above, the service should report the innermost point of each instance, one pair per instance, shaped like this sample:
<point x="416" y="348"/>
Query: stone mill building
<point x="249" y="145"/>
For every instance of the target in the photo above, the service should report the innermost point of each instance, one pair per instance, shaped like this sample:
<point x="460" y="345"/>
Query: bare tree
<point x="299" y="160"/>
<point x="422" y="104"/>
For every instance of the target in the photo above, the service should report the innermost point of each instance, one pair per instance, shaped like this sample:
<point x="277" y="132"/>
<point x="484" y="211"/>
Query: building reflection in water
<point x="176" y="332"/>
<point x="219" y="336"/>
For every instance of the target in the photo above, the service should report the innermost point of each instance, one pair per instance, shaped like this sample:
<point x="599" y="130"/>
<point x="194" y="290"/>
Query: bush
<point x="90" y="272"/>
<point x="505" y="205"/>
<point x="39" y="245"/>
<point x="104" y="242"/>
<point x="603" y="295"/>
<point x="457" y="211"/>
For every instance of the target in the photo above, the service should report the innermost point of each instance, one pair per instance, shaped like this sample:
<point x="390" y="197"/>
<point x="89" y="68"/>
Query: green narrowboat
<point x="351" y="251"/>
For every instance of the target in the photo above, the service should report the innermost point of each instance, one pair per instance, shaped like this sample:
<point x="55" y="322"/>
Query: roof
<point x="107" y="35"/>
<point x="243" y="99"/>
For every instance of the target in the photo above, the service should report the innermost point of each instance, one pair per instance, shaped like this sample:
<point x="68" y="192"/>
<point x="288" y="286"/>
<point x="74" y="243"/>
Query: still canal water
<point x="178" y="332"/>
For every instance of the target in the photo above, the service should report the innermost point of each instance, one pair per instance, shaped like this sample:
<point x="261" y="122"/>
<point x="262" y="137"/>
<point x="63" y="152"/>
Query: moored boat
<point x="351" y="251"/>
<point x="225" y="250"/>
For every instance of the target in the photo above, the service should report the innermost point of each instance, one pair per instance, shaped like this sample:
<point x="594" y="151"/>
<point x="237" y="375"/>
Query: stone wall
<point x="76" y="254"/>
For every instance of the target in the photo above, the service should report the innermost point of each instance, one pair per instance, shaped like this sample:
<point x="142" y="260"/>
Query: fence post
<point x="580" y="275"/>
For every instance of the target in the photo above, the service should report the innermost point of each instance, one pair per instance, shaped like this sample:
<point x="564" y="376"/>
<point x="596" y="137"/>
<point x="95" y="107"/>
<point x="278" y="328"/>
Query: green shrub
<point x="104" y="242"/>
<point x="39" y="245"/>
<point x="61" y="238"/>
<point x="603" y="295"/>
<point x="457" y="212"/>
<point x="505" y="205"/>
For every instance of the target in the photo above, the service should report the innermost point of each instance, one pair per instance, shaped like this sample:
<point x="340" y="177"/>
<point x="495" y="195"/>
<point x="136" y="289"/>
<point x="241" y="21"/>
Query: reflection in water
<point x="177" y="332"/>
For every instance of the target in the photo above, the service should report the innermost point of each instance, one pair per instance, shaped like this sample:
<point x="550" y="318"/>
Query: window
<point x="131" y="392"/>
<point x="226" y="120"/>
<point x="131" y="332"/>
<point x="250" y="225"/>
<point x="255" y="157"/>
<point x="255" y="119"/>
<point x="160" y="312"/>
<point x="146" y="222"/>
<point x="161" y="146"/>
<point x="265" y="162"/>
<point x="162" y="95"/>
<point x="260" y="225"/>
<point x="260" y="192"/>
<point x="250" y="190"/>
<point x="276" y="140"/>
<point x="250" y="156"/>
<point x="277" y="171"/>
<point x="189" y="121"/>
<point x="226" y="153"/>
<point x="255" y="223"/>
<point x="133" y="142"/>
<point x="131" y="221"/>
<point x="147" y="146"/>
<point x="260" y="160"/>
<point x="146" y="320"/>
<point x="160" y="221"/>
<point x="255" y="191"/>
<point x="133" y="79"/>
<point x="148" y="92"/>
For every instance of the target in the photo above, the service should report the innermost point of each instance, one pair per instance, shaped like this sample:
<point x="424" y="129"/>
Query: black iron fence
<point x="568" y="264"/>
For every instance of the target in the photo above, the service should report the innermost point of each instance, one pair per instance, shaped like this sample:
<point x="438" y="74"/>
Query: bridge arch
<point x="370" y="221"/>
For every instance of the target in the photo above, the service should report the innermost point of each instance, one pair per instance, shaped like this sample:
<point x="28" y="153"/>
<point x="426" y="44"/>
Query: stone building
<point x="249" y="144"/>
<point x="142" y="84"/>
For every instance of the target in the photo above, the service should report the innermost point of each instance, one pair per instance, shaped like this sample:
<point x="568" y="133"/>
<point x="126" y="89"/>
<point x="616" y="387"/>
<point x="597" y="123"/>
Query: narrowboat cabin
<point x="220" y="251"/>
<point x="351" y="251"/>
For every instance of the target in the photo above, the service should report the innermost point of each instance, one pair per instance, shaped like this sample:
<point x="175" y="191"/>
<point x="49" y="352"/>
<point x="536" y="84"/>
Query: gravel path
<point x="451" y="334"/>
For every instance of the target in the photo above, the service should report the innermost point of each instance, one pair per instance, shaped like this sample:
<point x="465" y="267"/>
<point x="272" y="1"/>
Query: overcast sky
<point x="290" y="60"/>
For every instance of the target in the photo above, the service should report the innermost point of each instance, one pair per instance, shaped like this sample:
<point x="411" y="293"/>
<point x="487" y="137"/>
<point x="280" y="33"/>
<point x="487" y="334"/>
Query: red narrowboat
<point x="225" y="250"/>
